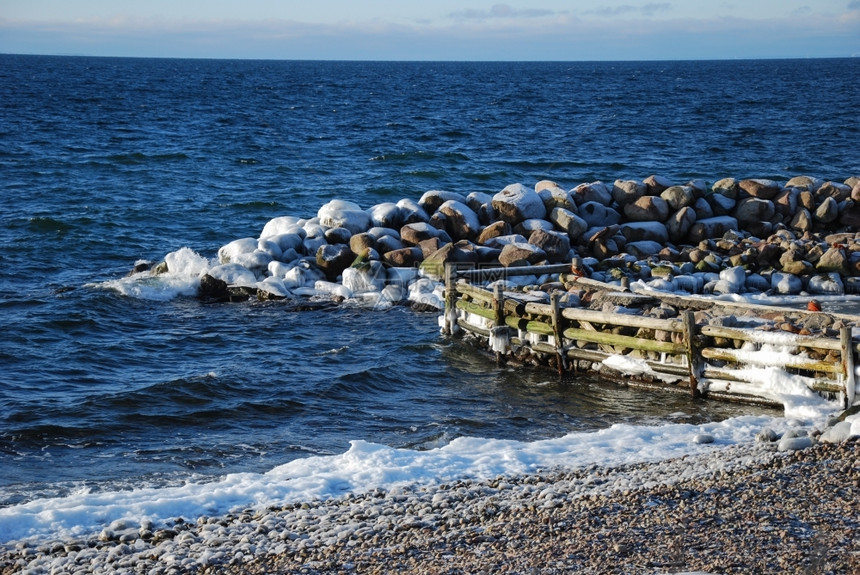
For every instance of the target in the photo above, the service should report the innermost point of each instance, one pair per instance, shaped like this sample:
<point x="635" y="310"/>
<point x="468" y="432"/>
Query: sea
<point x="118" y="402"/>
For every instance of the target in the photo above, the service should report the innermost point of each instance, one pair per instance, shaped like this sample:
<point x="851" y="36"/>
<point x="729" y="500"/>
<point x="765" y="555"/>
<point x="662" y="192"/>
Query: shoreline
<point x="738" y="509"/>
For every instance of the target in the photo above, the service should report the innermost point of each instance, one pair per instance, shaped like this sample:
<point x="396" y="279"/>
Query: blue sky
<point x="434" y="29"/>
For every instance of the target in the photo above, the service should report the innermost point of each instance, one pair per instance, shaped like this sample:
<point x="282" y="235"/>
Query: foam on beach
<point x="367" y="466"/>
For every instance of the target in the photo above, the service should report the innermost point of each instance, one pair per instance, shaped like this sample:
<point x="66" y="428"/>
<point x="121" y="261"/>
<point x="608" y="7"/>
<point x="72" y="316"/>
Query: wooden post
<point x="499" y="316"/>
<point x="693" y="356"/>
<point x="846" y="341"/>
<point x="556" y="330"/>
<point x="450" y="299"/>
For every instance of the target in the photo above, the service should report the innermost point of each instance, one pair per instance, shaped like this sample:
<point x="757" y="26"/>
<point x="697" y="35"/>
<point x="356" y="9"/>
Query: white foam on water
<point x="367" y="466"/>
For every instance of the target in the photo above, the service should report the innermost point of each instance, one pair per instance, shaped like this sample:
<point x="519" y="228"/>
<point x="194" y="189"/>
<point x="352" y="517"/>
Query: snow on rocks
<point x="742" y="236"/>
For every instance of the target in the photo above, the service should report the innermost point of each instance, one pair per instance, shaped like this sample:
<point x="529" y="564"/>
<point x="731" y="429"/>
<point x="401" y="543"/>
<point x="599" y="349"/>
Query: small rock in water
<point x="795" y="443"/>
<point x="703" y="438"/>
<point x="766" y="436"/>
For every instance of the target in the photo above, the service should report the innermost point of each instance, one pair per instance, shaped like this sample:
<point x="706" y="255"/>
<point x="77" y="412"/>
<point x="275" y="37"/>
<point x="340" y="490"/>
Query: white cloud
<point x="647" y="10"/>
<point x="499" y="11"/>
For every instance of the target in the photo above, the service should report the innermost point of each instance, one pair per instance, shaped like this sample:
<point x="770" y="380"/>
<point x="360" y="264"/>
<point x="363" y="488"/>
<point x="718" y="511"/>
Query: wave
<point x="367" y="466"/>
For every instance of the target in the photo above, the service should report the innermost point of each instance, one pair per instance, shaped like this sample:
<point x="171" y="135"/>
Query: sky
<point x="434" y="29"/>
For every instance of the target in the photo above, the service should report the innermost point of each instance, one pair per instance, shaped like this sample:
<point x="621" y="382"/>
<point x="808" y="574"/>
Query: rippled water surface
<point x="107" y="161"/>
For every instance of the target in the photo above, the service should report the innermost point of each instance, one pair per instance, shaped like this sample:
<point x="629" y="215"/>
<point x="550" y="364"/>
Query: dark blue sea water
<point x="107" y="161"/>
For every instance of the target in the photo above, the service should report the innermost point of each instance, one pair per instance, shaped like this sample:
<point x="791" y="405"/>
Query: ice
<point x="367" y="466"/>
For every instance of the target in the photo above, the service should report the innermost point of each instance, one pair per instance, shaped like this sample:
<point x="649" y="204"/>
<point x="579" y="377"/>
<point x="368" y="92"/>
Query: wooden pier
<point x="685" y="345"/>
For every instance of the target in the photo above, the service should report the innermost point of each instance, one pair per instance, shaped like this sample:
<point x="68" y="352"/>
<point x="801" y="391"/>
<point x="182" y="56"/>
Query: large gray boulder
<point x="517" y="202"/>
<point x="461" y="222"/>
<point x="568" y="222"/>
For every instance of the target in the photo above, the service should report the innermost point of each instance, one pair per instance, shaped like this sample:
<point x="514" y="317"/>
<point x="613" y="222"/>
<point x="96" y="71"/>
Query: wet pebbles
<point x="740" y="509"/>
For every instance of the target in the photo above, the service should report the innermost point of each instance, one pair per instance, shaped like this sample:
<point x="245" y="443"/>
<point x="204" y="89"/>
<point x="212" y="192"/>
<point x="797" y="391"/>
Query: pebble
<point x="740" y="509"/>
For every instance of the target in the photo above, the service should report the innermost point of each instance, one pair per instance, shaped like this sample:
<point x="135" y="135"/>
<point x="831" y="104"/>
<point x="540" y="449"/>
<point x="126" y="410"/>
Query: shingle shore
<point x="740" y="509"/>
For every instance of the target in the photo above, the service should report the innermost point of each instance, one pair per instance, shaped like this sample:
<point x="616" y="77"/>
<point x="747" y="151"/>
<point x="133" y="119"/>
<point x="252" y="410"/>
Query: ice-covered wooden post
<point x="499" y="339"/>
<point x="556" y="329"/>
<point x="450" y="300"/>
<point x="693" y="355"/>
<point x="847" y="344"/>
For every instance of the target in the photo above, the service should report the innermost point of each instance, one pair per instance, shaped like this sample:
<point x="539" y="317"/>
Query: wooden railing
<point x="677" y="352"/>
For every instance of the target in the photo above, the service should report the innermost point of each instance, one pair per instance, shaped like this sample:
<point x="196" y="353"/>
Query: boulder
<point x="212" y="288"/>
<point x="430" y="246"/>
<point x="344" y="214"/>
<point x="517" y="202"/>
<point x="833" y="260"/>
<point x="431" y="200"/>
<point x="656" y="185"/>
<point x="494" y="230"/>
<point x="232" y="251"/>
<point x="835" y="190"/>
<point x="501" y="241"/>
<point x="678" y="197"/>
<point x="678" y="224"/>
<point x="412" y="212"/>
<point x="332" y="259"/>
<point x="388" y="243"/>
<point x="727" y="187"/>
<point x="361" y="244"/>
<point x="568" y="222"/>
<point x="826" y="284"/>
<point x="598" y="215"/>
<point x="647" y="209"/>
<point x="785" y="202"/>
<point x="280" y="225"/>
<point x="555" y="245"/>
<point x="404" y="257"/>
<point x="752" y="210"/>
<point x="720" y="204"/>
<point x="365" y="278"/>
<point x="518" y="254"/>
<point x="711" y="228"/>
<point x="462" y="252"/>
<point x="827" y="212"/>
<point x="804" y="183"/>
<point x="645" y="231"/>
<point x="798" y="268"/>
<point x="703" y="209"/>
<point x="526" y="227"/>
<point x="802" y="220"/>
<point x="386" y="215"/>
<point x="287" y="241"/>
<point x="784" y="283"/>
<point x="415" y="233"/>
<point x="555" y="197"/>
<point x="461" y="221"/>
<point x="643" y="249"/>
<point x="482" y="204"/>
<point x="594" y="192"/>
<point x="760" y="188"/>
<point x="234" y="274"/>
<point x="337" y="235"/>
<point x="806" y="200"/>
<point x="627" y="191"/>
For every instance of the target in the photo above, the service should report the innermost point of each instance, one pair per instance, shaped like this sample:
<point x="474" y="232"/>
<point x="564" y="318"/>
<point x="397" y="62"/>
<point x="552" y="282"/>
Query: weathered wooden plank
<point x="748" y="358"/>
<point x="479" y="275"/>
<point x="622" y="319"/>
<point x="771" y="338"/>
<point x="475" y="308"/>
<point x="626" y="341"/>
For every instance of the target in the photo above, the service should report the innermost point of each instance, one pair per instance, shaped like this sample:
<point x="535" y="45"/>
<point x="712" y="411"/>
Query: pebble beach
<point x="748" y="508"/>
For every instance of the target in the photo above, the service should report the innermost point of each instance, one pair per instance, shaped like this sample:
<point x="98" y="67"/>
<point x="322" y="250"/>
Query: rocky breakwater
<point x="735" y="236"/>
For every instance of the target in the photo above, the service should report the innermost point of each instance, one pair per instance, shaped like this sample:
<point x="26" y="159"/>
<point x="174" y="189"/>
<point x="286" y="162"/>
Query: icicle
<point x="499" y="339"/>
